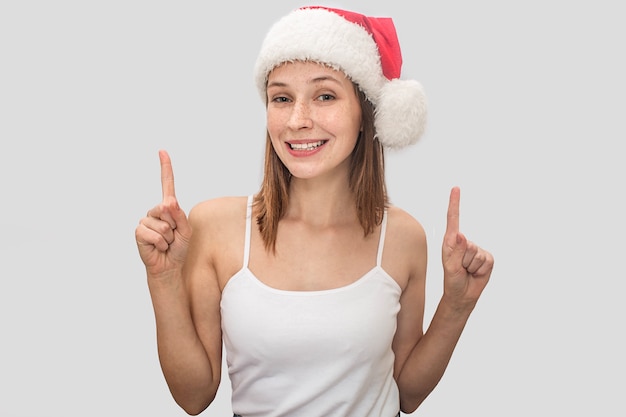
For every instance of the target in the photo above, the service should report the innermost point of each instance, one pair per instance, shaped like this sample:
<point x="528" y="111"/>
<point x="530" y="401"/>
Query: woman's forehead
<point x="309" y="69"/>
<point x="298" y="65"/>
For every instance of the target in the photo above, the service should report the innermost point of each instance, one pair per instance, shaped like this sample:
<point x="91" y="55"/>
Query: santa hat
<point x="366" y="49"/>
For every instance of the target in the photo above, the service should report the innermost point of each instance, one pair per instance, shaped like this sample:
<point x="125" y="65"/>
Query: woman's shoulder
<point x="218" y="234"/>
<point x="220" y="206"/>
<point x="402" y="224"/>
<point x="405" y="247"/>
<point x="219" y="212"/>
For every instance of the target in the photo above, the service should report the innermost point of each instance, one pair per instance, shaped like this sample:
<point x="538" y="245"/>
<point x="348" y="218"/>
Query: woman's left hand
<point x="466" y="266"/>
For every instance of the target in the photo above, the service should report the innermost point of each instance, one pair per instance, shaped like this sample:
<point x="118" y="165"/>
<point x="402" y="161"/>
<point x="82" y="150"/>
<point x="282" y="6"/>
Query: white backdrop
<point x="527" y="105"/>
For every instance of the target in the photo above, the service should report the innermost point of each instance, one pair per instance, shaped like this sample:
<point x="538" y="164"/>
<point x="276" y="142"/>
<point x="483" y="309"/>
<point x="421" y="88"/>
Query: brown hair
<point x="367" y="181"/>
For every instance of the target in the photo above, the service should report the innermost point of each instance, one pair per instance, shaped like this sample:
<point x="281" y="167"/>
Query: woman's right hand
<point x="163" y="235"/>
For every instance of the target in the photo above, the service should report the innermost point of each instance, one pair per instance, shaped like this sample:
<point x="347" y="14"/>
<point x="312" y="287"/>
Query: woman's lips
<point x="306" y="146"/>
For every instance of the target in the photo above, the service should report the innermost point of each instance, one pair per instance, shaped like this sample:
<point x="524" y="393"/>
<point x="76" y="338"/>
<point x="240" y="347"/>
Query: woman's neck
<point x="321" y="203"/>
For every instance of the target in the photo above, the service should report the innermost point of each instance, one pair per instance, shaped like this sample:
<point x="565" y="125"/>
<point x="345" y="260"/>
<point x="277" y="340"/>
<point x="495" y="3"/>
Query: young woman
<point x="316" y="284"/>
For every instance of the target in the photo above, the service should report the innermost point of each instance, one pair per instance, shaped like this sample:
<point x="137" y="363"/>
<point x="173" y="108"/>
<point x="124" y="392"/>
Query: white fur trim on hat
<point x="400" y="116"/>
<point x="320" y="35"/>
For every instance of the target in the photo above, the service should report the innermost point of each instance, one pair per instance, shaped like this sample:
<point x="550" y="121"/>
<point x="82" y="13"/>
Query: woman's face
<point x="313" y="118"/>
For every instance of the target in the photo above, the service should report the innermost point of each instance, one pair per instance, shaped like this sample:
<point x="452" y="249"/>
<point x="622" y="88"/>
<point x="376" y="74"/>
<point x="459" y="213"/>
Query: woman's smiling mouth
<point x="306" y="146"/>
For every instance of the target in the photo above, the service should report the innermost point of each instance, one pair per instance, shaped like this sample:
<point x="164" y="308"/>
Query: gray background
<point x="527" y="104"/>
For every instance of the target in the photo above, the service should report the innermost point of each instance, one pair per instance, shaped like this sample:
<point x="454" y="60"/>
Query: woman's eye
<point x="280" y="99"/>
<point x="326" y="97"/>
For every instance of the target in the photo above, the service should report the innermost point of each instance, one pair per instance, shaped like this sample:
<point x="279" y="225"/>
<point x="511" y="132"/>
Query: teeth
<point x="306" y="146"/>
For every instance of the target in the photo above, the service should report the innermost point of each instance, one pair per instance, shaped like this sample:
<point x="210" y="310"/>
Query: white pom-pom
<point x="401" y="112"/>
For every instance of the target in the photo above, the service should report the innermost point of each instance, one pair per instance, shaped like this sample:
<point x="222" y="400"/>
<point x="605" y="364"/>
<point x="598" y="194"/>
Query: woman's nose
<point x="300" y="116"/>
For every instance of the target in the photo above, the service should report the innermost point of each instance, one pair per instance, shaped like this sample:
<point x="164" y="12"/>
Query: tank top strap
<point x="246" y="249"/>
<point x="381" y="241"/>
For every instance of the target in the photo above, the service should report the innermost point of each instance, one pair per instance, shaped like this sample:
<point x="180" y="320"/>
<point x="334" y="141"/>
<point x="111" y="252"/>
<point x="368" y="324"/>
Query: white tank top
<point x="311" y="353"/>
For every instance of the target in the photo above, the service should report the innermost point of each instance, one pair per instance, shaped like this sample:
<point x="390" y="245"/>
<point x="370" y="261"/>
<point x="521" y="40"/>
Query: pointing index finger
<point x="167" y="175"/>
<point x="453" y="211"/>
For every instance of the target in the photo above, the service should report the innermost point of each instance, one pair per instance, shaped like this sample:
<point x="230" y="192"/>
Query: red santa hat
<point x="366" y="49"/>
